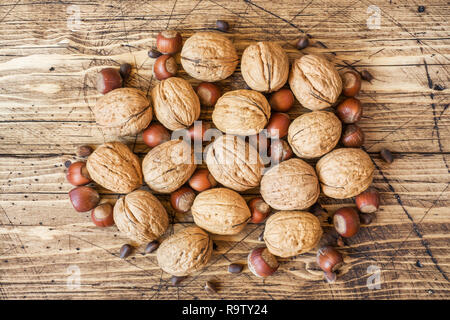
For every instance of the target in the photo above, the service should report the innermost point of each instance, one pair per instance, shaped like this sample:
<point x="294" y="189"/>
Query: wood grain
<point x="46" y="91"/>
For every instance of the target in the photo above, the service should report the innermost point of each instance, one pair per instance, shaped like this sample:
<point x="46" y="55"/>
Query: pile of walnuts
<point x="288" y="184"/>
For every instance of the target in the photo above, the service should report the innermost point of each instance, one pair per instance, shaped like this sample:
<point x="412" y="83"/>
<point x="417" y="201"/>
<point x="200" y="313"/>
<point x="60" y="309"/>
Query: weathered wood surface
<point x="46" y="89"/>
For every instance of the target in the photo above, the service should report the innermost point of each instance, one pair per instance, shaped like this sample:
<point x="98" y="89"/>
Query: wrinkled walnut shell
<point x="289" y="233"/>
<point x="291" y="185"/>
<point x="234" y="163"/>
<point x="141" y="216"/>
<point x="241" y="112"/>
<point x="176" y="104"/>
<point x="345" y="173"/>
<point x="220" y="211"/>
<point x="168" y="166"/>
<point x="123" y="112"/>
<point x="185" y="252"/>
<point x="265" y="66"/>
<point x="315" y="133"/>
<point x="315" y="82"/>
<point x="209" y="56"/>
<point x="113" y="166"/>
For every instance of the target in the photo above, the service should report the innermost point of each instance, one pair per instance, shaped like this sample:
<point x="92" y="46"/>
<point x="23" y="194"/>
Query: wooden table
<point x="47" y="65"/>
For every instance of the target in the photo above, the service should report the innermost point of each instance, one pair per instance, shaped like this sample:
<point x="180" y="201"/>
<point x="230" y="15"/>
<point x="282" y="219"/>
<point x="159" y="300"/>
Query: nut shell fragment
<point x="185" y="252"/>
<point x="141" y="216"/>
<point x="344" y="173"/>
<point x="123" y="112"/>
<point x="113" y="166"/>
<point x="220" y="211"/>
<point x="176" y="104"/>
<point x="290" y="185"/>
<point x="314" y="134"/>
<point x="168" y="166"/>
<point x="315" y="82"/>
<point x="289" y="233"/>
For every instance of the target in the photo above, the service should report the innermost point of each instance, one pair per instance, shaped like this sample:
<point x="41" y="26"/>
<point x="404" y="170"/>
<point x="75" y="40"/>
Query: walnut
<point x="185" y="252"/>
<point x="209" y="56"/>
<point x="314" y="133"/>
<point x="141" y="216"/>
<point x="123" y="112"/>
<point x="176" y="104"/>
<point x="315" y="82"/>
<point x="113" y="166"/>
<point x="265" y="66"/>
<point x="290" y="185"/>
<point x="234" y="163"/>
<point x="344" y="173"/>
<point x="220" y="211"/>
<point x="289" y="233"/>
<point x="168" y="166"/>
<point x="241" y="112"/>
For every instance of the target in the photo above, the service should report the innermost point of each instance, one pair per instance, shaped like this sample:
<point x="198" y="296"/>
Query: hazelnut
<point x="265" y="66"/>
<point x="141" y="216"/>
<point x="209" y="56"/>
<point x="351" y="83"/>
<point x="278" y="125"/>
<point x="176" y="104"/>
<point x="282" y="100"/>
<point x="241" y="112"/>
<point x="314" y="134"/>
<point x="198" y="130"/>
<point x="280" y="151"/>
<point x="208" y="94"/>
<point x="345" y="172"/>
<point x="315" y="82"/>
<point x="202" y="180"/>
<point x="352" y="136"/>
<point x="220" y="211"/>
<point x="329" y="259"/>
<point x="290" y="185"/>
<point x="77" y="174"/>
<point x="289" y="233"/>
<point x="102" y="215"/>
<point x="349" y="110"/>
<point x="169" y="42"/>
<point x="84" y="198"/>
<point x="182" y="199"/>
<point x="165" y="67"/>
<point x="123" y="112"/>
<point x="261" y="262"/>
<point x="368" y="201"/>
<point x="259" y="209"/>
<point x="346" y="221"/>
<point x="155" y="134"/>
<point x="108" y="79"/>
<point x="168" y="166"/>
<point x="185" y="252"/>
<point x="113" y="166"/>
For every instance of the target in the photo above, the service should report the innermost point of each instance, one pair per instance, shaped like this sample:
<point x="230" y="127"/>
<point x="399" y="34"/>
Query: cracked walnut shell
<point x="220" y="211"/>
<point x="123" y="112"/>
<point x="209" y="56"/>
<point x="141" y="216"/>
<point x="315" y="133"/>
<point x="176" y="104"/>
<point x="289" y="233"/>
<point x="168" y="166"/>
<point x="344" y="173"/>
<point x="241" y="112"/>
<point x="265" y="66"/>
<point x="234" y="163"/>
<point x="185" y="252"/>
<point x="113" y="166"/>
<point x="290" y="185"/>
<point x="315" y="82"/>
